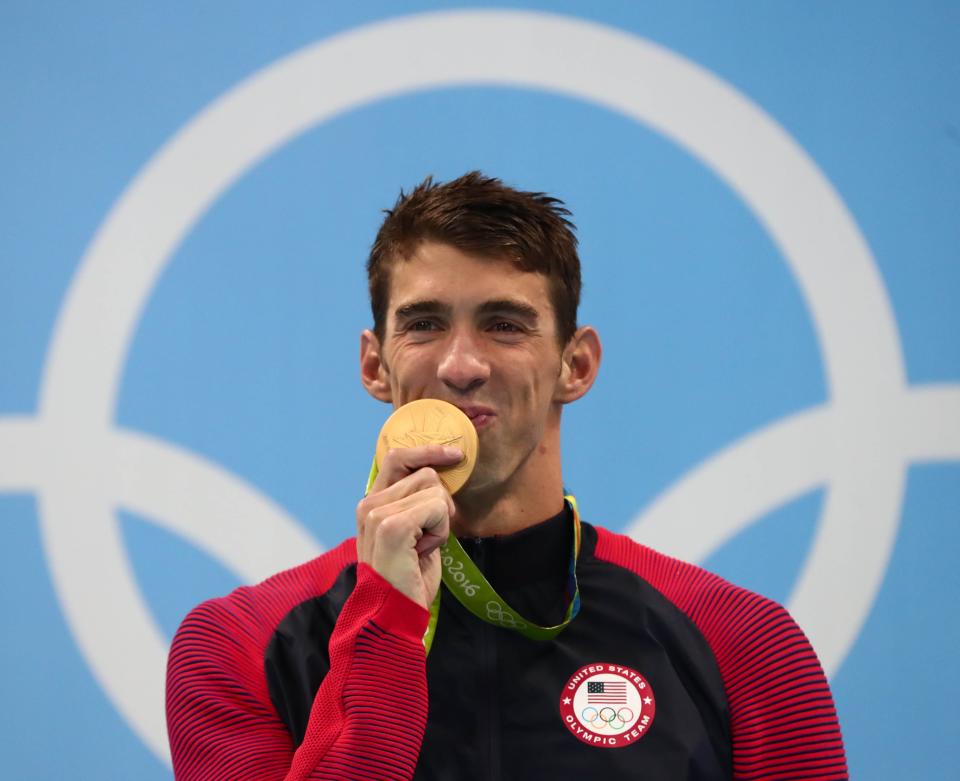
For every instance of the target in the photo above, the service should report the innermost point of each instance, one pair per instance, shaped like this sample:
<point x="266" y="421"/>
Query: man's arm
<point x="782" y="714"/>
<point x="782" y="718"/>
<point x="368" y="716"/>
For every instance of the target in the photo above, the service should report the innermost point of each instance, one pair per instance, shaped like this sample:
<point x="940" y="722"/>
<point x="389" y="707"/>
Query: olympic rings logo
<point x="82" y="465"/>
<point x="606" y="717"/>
<point x="497" y="614"/>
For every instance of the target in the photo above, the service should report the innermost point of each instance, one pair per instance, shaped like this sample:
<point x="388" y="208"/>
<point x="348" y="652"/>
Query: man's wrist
<point x="398" y="613"/>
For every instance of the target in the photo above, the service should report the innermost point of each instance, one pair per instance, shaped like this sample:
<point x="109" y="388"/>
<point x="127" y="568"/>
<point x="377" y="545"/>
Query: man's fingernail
<point x="450" y="451"/>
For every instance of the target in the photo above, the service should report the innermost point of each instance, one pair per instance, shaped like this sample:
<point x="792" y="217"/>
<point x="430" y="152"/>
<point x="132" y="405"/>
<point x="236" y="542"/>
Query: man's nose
<point x="463" y="366"/>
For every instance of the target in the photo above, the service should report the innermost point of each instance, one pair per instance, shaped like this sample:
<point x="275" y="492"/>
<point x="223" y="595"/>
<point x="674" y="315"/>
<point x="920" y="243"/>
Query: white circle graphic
<point x="84" y="468"/>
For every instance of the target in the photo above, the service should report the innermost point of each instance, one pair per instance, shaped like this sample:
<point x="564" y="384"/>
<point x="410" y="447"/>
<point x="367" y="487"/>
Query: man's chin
<point x="482" y="481"/>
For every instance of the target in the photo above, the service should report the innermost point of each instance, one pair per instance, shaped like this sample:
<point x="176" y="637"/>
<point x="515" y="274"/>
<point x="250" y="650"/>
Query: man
<point x="596" y="657"/>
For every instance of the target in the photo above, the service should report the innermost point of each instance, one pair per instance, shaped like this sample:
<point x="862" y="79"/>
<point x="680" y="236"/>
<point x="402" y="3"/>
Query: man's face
<point x="480" y="334"/>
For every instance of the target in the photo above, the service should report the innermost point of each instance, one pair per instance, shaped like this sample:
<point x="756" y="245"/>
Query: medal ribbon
<point x="471" y="588"/>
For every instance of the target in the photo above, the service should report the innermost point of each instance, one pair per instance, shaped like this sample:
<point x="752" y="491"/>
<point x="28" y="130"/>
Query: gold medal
<point x="432" y="422"/>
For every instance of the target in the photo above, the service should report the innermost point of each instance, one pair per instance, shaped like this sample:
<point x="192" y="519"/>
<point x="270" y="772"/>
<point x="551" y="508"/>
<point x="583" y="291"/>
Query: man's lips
<point x="479" y="416"/>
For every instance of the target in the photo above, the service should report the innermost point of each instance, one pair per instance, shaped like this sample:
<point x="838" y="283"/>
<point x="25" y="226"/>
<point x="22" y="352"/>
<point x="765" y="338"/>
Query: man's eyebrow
<point x="504" y="306"/>
<point x="426" y="307"/>
<point x="509" y="306"/>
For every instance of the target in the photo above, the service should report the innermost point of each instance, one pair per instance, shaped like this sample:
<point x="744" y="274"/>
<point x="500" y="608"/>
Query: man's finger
<point x="425" y="477"/>
<point x="377" y="508"/>
<point x="431" y="540"/>
<point x="403" y="461"/>
<point x="400" y="535"/>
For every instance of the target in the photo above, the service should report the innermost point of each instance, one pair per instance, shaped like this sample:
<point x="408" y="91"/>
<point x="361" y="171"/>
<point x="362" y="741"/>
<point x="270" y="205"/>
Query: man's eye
<point x="505" y="327"/>
<point x="421" y="325"/>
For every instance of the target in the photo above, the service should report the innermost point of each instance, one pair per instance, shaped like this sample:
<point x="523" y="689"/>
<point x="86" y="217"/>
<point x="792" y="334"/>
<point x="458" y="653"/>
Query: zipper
<point x="491" y="695"/>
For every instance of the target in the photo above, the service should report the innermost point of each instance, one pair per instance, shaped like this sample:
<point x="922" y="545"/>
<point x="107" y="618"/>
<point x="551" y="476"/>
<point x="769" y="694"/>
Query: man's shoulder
<point x="662" y="571"/>
<point x="718" y="607"/>
<point x="781" y="711"/>
<point x="256" y="610"/>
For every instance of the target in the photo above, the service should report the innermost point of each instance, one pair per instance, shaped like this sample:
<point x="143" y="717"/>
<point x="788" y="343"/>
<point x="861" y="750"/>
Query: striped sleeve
<point x="782" y="716"/>
<point x="367" y="719"/>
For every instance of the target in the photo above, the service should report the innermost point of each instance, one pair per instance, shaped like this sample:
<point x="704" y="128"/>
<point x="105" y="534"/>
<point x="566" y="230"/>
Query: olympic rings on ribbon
<point x="497" y="615"/>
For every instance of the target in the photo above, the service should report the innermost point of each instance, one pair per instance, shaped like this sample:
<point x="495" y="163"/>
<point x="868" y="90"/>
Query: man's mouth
<point x="479" y="416"/>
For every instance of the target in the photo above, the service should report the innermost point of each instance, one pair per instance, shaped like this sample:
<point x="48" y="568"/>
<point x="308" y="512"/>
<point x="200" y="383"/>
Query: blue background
<point x="246" y="353"/>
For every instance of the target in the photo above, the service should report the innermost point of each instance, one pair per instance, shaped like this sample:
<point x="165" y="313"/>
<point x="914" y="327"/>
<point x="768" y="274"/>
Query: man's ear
<point x="579" y="365"/>
<point x="374" y="373"/>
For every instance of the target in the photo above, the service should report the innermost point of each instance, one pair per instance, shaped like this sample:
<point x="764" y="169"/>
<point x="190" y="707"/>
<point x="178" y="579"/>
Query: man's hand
<point x="405" y="518"/>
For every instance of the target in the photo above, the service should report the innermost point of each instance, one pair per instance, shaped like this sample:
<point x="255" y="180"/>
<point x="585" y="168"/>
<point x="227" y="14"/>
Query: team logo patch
<point x="607" y="705"/>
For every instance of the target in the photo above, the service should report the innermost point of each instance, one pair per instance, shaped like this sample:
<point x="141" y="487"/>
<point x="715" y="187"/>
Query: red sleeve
<point x="368" y="717"/>
<point x="782" y="717"/>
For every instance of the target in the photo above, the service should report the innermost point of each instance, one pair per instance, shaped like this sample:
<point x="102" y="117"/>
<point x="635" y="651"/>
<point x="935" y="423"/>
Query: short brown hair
<point x="482" y="216"/>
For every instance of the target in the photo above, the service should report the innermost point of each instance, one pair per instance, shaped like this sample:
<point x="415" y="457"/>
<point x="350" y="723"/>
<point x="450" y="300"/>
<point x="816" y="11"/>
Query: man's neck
<point x="535" y="494"/>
